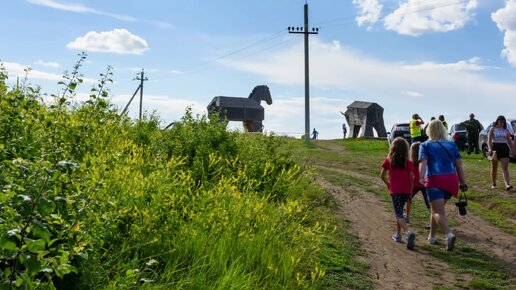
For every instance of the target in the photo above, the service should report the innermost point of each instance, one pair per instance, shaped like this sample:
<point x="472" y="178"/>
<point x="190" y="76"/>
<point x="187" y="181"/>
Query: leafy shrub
<point x="92" y="200"/>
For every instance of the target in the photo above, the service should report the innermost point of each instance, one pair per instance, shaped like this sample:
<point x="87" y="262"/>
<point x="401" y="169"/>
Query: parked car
<point x="482" y="137"/>
<point x="459" y="135"/>
<point x="399" y="130"/>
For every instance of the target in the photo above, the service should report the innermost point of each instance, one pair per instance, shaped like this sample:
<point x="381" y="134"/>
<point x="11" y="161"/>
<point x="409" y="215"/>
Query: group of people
<point x="473" y="128"/>
<point x="438" y="174"/>
<point x="499" y="142"/>
<point x="432" y="164"/>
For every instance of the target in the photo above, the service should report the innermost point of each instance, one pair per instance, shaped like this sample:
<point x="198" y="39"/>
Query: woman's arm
<point x="422" y="170"/>
<point x="490" y="139"/>
<point x="460" y="172"/>
<point x="508" y="137"/>
<point x="383" y="176"/>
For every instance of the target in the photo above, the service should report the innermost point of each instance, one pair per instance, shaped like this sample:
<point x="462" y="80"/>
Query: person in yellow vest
<point x="416" y="133"/>
<point x="441" y="118"/>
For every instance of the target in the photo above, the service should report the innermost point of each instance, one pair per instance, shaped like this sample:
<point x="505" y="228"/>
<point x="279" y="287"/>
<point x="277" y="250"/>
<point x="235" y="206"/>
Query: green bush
<point x="92" y="200"/>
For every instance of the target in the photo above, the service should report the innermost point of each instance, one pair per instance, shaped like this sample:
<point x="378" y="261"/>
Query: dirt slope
<point x="393" y="266"/>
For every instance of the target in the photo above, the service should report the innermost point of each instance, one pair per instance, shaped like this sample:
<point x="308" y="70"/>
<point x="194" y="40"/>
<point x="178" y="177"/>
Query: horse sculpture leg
<point x="253" y="126"/>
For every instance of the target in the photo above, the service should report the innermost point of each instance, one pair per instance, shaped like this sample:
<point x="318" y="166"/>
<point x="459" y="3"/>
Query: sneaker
<point x="508" y="187"/>
<point x="411" y="237"/>
<point x="450" y="241"/>
<point x="396" y="238"/>
<point x="432" y="240"/>
<point x="493" y="186"/>
<point x="427" y="226"/>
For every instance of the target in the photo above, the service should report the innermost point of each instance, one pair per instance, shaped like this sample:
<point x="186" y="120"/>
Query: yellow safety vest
<point x="415" y="130"/>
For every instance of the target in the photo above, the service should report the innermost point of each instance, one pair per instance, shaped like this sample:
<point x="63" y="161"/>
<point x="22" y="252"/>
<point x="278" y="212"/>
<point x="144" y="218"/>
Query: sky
<point x="431" y="57"/>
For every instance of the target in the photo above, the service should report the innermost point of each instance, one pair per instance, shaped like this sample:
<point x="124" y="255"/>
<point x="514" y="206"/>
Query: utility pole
<point x="140" y="78"/>
<point x="304" y="30"/>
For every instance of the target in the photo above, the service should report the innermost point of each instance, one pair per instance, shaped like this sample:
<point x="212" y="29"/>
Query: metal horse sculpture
<point x="248" y="110"/>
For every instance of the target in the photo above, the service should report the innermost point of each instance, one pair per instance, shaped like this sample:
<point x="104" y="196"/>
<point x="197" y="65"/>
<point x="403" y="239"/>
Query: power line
<point x="348" y="20"/>
<point x="268" y="48"/>
<point x="259" y="42"/>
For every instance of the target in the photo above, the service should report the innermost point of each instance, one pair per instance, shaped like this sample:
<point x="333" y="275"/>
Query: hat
<point x="472" y="115"/>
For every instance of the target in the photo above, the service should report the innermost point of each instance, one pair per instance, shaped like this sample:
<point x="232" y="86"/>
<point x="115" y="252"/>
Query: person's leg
<point x="494" y="168"/>
<point x="427" y="204"/>
<point x="439" y="216"/>
<point x="505" y="171"/>
<point x="425" y="198"/>
<point x="433" y="223"/>
<point x="402" y="225"/>
<point x="470" y="145"/>
<point x="409" y="206"/>
<point x="398" y="205"/>
<point x="398" y="201"/>
<point x="437" y="199"/>
<point x="475" y="144"/>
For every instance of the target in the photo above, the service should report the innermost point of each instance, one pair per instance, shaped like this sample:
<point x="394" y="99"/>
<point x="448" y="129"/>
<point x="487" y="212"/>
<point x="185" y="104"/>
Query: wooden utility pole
<point x="140" y="78"/>
<point x="304" y="30"/>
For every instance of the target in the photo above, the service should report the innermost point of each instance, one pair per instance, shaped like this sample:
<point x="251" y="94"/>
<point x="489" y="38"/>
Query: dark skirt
<point x="502" y="150"/>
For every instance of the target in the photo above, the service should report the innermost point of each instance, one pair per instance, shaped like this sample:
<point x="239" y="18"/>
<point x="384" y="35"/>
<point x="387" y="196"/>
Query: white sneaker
<point x="396" y="238"/>
<point x="432" y="240"/>
<point x="450" y="241"/>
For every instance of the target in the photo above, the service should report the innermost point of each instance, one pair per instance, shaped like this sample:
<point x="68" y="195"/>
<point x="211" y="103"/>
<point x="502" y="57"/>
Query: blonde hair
<point x="398" y="153"/>
<point x="436" y="131"/>
<point x="414" y="153"/>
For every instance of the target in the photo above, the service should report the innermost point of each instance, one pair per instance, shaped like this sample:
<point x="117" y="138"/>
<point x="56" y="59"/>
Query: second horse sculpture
<point x="248" y="110"/>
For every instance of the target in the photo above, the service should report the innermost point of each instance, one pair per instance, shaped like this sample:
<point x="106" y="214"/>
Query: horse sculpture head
<point x="261" y="93"/>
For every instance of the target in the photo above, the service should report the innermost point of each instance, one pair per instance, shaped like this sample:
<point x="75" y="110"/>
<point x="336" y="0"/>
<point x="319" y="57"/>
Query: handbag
<point x="462" y="204"/>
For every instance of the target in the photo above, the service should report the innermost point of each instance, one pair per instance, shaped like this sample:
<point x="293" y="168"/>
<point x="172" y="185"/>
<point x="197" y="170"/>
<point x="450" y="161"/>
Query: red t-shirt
<point x="399" y="179"/>
<point x="417" y="184"/>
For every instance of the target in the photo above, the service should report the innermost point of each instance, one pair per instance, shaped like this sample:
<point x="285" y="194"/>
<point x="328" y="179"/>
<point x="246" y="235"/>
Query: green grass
<point x="339" y="257"/>
<point x="467" y="260"/>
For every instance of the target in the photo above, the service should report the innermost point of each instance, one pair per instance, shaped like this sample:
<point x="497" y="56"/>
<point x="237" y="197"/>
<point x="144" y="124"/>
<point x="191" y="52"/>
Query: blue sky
<point x="431" y="57"/>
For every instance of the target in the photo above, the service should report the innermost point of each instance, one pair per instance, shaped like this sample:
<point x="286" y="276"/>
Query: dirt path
<point x="371" y="220"/>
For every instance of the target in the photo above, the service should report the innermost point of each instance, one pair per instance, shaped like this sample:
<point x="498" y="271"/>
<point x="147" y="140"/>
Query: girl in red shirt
<point x="400" y="185"/>
<point x="414" y="157"/>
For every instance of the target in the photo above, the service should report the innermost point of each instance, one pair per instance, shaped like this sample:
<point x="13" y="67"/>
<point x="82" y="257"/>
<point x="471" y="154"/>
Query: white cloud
<point x="369" y="11"/>
<point x="139" y="69"/>
<point x="48" y="63"/>
<point x="177" y="72"/>
<point x="115" y="41"/>
<point x="415" y="17"/>
<point x="18" y="70"/>
<point x="505" y="19"/>
<point x="473" y="64"/>
<point x="78" y="8"/>
<point x="413" y="94"/>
